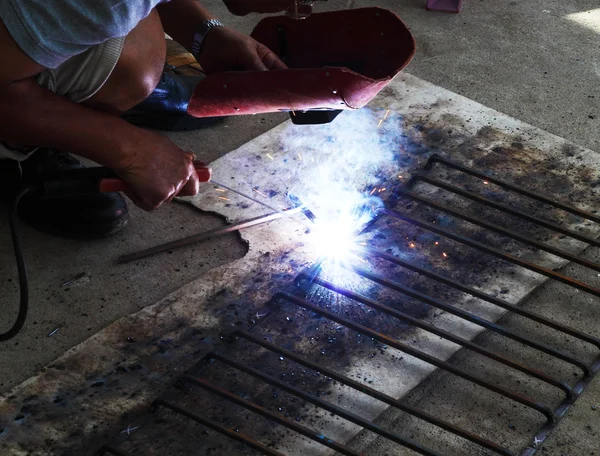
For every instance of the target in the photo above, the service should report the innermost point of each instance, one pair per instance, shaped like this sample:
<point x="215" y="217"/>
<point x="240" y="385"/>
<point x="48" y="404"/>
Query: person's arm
<point x="223" y="49"/>
<point x="152" y="165"/>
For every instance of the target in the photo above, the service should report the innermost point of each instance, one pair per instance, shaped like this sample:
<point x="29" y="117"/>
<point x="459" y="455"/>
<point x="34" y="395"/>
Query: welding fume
<point x="95" y="78"/>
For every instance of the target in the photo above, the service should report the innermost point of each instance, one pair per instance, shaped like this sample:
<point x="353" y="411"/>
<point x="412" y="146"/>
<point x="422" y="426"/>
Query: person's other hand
<point x="156" y="170"/>
<point x="225" y="49"/>
<point x="243" y="7"/>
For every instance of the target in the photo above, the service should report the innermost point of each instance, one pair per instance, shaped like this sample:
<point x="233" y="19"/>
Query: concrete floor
<point x="525" y="58"/>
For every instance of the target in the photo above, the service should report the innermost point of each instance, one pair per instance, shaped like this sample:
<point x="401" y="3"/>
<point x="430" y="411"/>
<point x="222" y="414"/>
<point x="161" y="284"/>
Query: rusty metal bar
<point x="544" y="410"/>
<point x="512" y="187"/>
<point x="561" y="411"/>
<point x="472" y="318"/>
<point x="503" y="231"/>
<point x="313" y="435"/>
<point x="374" y="393"/>
<point x="517" y="213"/>
<point x="206" y="235"/>
<point x="249" y="442"/>
<point x="349" y="416"/>
<point x="497" y="253"/>
<point x="483" y="296"/>
<point x="445" y="335"/>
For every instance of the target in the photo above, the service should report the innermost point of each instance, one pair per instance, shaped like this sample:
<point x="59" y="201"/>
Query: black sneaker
<point x="77" y="216"/>
<point x="166" y="108"/>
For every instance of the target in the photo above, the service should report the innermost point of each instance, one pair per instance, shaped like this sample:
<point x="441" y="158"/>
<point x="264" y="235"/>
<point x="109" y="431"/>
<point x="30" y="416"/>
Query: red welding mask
<point x="337" y="60"/>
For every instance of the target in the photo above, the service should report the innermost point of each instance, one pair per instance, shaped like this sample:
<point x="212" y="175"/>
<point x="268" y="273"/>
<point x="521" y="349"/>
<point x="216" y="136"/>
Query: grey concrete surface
<point x="524" y="58"/>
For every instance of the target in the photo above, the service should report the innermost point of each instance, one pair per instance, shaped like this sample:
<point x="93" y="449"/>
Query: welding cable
<point x="21" y="268"/>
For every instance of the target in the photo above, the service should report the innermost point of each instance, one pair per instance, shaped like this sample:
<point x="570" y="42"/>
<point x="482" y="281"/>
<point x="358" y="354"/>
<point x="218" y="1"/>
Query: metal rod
<point x="309" y="433"/>
<point x="510" y="186"/>
<point x="507" y="209"/>
<point x="374" y="393"/>
<point x="251" y="198"/>
<point x="417" y="354"/>
<point x="249" y="442"/>
<point x="503" y="231"/>
<point x="206" y="235"/>
<point x="497" y="253"/>
<point x="483" y="296"/>
<point x="495" y="327"/>
<point x="112" y="450"/>
<point x="445" y="335"/>
<point x="349" y="416"/>
<point x="561" y="412"/>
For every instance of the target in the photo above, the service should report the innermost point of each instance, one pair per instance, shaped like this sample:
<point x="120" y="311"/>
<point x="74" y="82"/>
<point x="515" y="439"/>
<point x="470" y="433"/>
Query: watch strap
<point x="203" y="30"/>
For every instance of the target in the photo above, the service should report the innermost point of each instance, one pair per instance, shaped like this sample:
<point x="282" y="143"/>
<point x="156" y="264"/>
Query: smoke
<point x="343" y="162"/>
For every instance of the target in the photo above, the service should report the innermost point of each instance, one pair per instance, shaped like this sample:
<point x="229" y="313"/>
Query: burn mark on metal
<point x="267" y="385"/>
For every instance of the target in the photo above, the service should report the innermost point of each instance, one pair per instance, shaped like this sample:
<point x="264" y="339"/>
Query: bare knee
<point x="138" y="70"/>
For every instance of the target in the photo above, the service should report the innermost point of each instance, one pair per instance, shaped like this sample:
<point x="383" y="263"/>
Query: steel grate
<point x="240" y="359"/>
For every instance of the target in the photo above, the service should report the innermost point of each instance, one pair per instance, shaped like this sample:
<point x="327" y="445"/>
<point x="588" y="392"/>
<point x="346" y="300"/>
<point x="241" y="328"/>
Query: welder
<point x="85" y="76"/>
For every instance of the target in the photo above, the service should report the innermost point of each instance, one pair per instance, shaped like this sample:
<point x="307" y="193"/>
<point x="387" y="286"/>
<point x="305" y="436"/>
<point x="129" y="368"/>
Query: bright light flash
<point x="333" y="241"/>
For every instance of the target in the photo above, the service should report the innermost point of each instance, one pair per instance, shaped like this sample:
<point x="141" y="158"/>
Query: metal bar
<point x="495" y="327"/>
<point x="112" y="450"/>
<point x="374" y="393"/>
<point x="483" y="296"/>
<point x="561" y="411"/>
<point x="497" y="253"/>
<point x="249" y="442"/>
<point x="503" y="231"/>
<point x="445" y="335"/>
<point x="503" y="208"/>
<point x="206" y="235"/>
<point x="349" y="416"/>
<point x="417" y="354"/>
<point x="513" y="187"/>
<point x="313" y="435"/>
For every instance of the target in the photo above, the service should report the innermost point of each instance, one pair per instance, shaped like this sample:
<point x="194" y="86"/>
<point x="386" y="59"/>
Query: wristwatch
<point x="203" y="29"/>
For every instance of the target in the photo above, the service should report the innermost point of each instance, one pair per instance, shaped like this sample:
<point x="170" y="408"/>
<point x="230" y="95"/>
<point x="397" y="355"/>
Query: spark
<point x="259" y="192"/>
<point x="412" y="245"/>
<point x="399" y="176"/>
<point x="379" y="124"/>
<point x="444" y="254"/>
<point x="437" y="243"/>
<point x="220" y="190"/>
<point x="486" y="183"/>
<point x="293" y="113"/>
<point x="373" y="191"/>
<point x="386" y="114"/>
<point x="269" y="155"/>
<point x="224" y="199"/>
<point x="299" y="156"/>
<point x="129" y="429"/>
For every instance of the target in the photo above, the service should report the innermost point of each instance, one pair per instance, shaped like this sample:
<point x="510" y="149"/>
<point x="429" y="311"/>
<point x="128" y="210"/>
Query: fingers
<point x="270" y="59"/>
<point x="255" y="63"/>
<point x="192" y="185"/>
<point x="183" y="182"/>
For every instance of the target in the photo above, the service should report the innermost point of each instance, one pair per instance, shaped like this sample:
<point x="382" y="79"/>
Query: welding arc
<point x="257" y="201"/>
<point x="206" y="235"/>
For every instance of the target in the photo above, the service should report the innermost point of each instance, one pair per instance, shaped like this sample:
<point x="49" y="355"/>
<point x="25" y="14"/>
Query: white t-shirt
<point x="52" y="31"/>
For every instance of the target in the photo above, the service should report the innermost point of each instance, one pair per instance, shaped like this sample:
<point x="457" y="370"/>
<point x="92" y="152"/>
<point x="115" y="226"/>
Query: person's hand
<point x="156" y="170"/>
<point x="243" y="7"/>
<point x="225" y="49"/>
